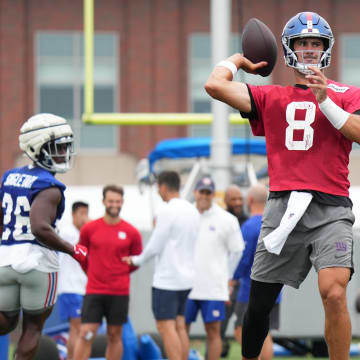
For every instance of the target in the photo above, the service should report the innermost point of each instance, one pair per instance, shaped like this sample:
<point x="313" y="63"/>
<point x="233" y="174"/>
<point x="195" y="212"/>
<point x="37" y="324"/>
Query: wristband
<point x="229" y="65"/>
<point x="335" y="114"/>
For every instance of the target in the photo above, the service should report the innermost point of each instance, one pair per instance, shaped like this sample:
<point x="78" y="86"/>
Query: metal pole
<point x="89" y="56"/>
<point x="156" y="119"/>
<point x="220" y="145"/>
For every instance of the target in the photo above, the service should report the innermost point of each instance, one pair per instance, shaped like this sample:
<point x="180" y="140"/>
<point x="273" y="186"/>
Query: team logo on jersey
<point x="212" y="228"/>
<point x="339" y="89"/>
<point x="121" y="235"/>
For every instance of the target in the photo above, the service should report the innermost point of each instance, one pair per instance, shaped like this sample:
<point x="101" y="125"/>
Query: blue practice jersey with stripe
<point x="19" y="188"/>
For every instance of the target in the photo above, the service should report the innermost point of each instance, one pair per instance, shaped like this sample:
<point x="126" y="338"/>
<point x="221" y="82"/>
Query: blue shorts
<point x="168" y="304"/>
<point x="211" y="310"/>
<point x="70" y="306"/>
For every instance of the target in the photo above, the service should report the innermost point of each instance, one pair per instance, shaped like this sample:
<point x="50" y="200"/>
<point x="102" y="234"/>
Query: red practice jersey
<point x="107" y="244"/>
<point x="304" y="150"/>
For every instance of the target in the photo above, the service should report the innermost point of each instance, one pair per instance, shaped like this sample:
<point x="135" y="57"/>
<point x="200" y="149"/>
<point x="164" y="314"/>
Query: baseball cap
<point x="205" y="183"/>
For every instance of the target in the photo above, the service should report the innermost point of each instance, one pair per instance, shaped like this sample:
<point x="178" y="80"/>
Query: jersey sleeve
<point x="255" y="116"/>
<point x="46" y="182"/>
<point x="43" y="183"/>
<point x="158" y="238"/>
<point x="136" y="247"/>
<point x="85" y="235"/>
<point x="235" y="242"/>
<point x="249" y="252"/>
<point x="351" y="100"/>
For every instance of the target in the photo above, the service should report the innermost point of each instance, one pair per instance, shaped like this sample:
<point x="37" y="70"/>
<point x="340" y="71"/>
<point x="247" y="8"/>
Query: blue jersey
<point x="250" y="231"/>
<point x="19" y="188"/>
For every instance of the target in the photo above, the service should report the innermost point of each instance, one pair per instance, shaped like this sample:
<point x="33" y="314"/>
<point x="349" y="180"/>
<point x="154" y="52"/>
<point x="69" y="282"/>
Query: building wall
<point x="14" y="79"/>
<point x="154" y="37"/>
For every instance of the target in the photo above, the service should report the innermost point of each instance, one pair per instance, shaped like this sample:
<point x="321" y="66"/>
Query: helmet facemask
<point x="47" y="140"/>
<point x="56" y="155"/>
<point x="307" y="25"/>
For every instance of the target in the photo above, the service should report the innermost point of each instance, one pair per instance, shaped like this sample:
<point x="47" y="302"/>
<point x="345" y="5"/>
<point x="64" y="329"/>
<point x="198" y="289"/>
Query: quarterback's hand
<point x="246" y="64"/>
<point x="317" y="83"/>
<point x="80" y="254"/>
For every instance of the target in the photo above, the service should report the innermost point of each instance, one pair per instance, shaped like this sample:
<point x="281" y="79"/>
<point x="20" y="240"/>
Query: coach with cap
<point x="218" y="249"/>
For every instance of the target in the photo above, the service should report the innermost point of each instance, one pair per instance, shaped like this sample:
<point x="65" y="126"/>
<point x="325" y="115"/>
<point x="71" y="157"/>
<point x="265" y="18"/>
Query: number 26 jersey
<point x="19" y="188"/>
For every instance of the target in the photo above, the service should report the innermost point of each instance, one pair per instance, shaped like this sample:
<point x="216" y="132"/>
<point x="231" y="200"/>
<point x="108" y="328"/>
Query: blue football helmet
<point x="306" y="24"/>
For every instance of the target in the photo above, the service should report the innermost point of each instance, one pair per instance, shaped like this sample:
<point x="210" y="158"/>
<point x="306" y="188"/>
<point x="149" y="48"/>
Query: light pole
<point x="220" y="14"/>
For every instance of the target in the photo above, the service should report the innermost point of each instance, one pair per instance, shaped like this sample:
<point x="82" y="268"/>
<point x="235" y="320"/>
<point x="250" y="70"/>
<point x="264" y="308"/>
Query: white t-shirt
<point x="219" y="238"/>
<point x="173" y="244"/>
<point x="72" y="278"/>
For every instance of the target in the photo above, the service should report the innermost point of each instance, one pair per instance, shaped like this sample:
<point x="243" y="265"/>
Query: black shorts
<point x="115" y="308"/>
<point x="168" y="304"/>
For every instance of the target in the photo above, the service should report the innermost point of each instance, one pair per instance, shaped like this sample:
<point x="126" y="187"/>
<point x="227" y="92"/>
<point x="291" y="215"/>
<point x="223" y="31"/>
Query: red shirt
<point x="304" y="150"/>
<point x="107" y="244"/>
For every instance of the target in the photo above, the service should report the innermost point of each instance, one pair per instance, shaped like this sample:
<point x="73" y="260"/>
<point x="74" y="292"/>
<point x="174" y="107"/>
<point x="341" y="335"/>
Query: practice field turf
<point x="235" y="352"/>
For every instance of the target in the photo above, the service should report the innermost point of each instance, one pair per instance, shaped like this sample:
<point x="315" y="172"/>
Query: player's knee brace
<point x="256" y="320"/>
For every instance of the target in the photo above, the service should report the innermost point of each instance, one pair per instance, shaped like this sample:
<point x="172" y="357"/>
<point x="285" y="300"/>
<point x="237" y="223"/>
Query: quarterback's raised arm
<point x="351" y="128"/>
<point x="221" y="87"/>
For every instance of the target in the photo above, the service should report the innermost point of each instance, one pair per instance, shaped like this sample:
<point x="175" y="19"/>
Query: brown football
<point x="259" y="44"/>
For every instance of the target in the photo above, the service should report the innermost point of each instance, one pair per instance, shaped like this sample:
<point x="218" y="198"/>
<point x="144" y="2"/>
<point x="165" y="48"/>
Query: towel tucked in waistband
<point x="297" y="204"/>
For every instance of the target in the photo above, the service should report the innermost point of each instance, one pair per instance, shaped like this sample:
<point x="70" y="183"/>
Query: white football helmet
<point x="47" y="140"/>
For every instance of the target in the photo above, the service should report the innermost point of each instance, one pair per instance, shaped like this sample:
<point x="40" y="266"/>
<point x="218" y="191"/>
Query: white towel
<point x="297" y="205"/>
<point x="28" y="257"/>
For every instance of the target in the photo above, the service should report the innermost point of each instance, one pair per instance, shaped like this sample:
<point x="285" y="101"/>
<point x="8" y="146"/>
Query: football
<point x="259" y="44"/>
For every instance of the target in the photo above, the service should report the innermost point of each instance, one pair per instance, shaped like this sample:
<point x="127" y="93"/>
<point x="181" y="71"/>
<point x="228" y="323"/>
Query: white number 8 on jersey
<point x="307" y="141"/>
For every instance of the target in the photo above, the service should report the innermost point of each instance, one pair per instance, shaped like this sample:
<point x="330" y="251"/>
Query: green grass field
<point x="235" y="352"/>
<point x="11" y="352"/>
